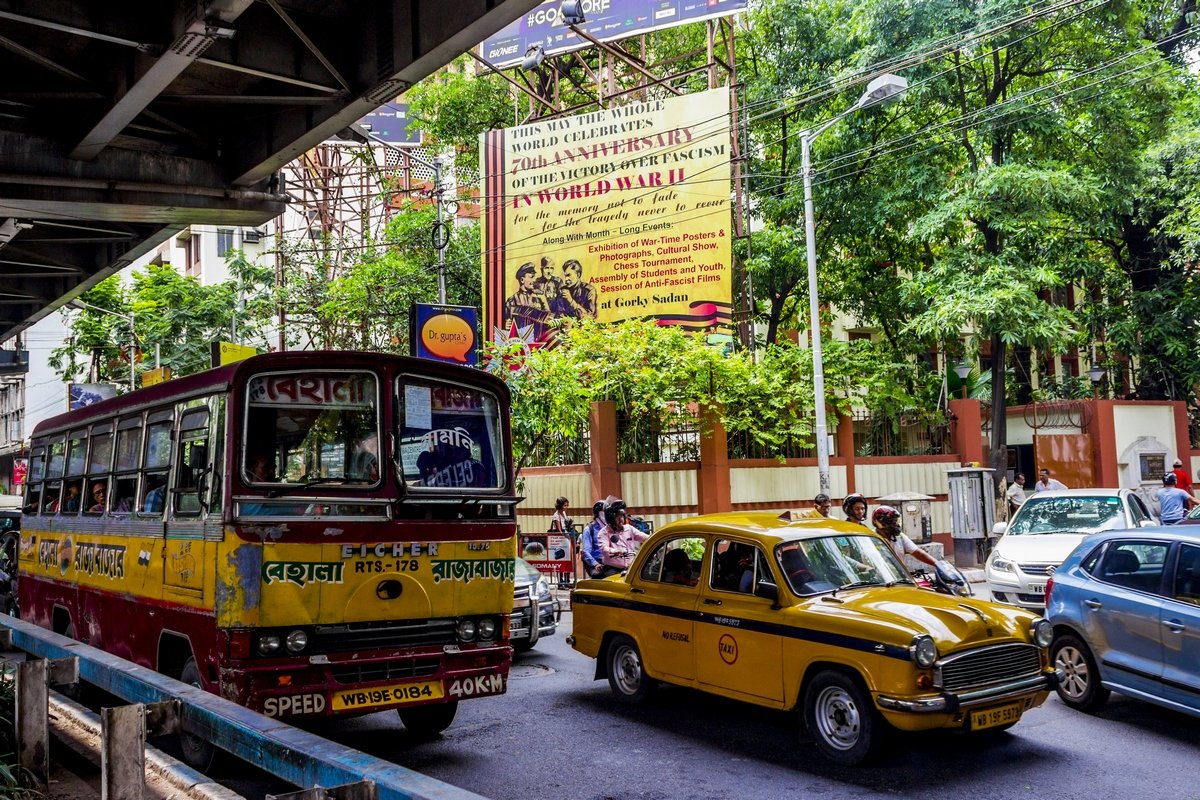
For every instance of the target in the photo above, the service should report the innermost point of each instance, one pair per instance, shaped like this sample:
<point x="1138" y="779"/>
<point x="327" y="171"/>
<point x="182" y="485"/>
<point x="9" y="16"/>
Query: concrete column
<point x="845" y="449"/>
<point x="966" y="431"/>
<point x="606" y="479"/>
<point x="712" y="484"/>
<point x="1183" y="439"/>
<point x="1104" y="442"/>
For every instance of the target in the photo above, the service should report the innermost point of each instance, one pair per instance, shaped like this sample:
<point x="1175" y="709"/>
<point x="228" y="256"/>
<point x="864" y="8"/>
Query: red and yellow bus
<point x="309" y="534"/>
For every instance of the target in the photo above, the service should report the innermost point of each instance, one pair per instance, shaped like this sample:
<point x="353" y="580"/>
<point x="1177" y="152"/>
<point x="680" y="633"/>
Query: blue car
<point x="1125" y="607"/>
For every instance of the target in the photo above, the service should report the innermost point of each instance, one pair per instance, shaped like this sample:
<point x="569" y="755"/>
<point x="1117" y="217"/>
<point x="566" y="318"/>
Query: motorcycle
<point x="945" y="578"/>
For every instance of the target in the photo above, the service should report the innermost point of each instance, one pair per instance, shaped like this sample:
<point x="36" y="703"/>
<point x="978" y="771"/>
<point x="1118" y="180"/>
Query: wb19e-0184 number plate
<point x="348" y="699"/>
<point x="993" y="717"/>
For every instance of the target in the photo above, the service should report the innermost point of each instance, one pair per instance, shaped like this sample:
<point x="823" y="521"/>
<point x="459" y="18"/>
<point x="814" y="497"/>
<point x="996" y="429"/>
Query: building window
<point x="224" y="242"/>
<point x="193" y="265"/>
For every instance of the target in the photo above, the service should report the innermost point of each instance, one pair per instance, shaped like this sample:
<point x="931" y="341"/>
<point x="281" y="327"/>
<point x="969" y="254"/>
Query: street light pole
<point x="880" y="90"/>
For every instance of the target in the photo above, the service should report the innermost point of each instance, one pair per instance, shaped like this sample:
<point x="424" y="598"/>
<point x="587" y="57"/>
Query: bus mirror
<point x="198" y="456"/>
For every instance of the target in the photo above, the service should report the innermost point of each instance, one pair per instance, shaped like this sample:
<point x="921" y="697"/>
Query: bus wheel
<point x="197" y="753"/>
<point x="427" y="722"/>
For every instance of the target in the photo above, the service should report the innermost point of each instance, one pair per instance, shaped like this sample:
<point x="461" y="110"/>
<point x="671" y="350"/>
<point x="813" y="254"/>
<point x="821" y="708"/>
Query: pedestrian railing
<point x="159" y="705"/>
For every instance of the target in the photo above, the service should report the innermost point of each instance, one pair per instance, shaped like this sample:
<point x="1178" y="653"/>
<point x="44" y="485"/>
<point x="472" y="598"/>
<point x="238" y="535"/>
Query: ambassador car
<point x="1044" y="531"/>
<point x="812" y="614"/>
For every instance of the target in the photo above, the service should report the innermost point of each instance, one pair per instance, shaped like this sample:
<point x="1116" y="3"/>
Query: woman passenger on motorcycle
<point x="618" y="539"/>
<point x="887" y="524"/>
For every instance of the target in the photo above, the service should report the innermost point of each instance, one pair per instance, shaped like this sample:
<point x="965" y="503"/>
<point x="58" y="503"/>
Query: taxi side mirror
<point x="767" y="590"/>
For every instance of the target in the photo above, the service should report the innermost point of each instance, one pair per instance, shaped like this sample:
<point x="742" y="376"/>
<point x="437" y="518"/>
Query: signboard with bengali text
<point x="616" y="214"/>
<point x="607" y="20"/>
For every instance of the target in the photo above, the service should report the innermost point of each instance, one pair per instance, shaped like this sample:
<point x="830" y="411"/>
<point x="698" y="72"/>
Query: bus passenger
<point x="98" y="493"/>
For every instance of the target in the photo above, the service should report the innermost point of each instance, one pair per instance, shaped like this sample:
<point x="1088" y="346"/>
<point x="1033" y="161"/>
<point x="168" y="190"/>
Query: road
<point x="557" y="734"/>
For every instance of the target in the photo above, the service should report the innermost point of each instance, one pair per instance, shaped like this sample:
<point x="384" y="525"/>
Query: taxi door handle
<point x="636" y="590"/>
<point x="1093" y="604"/>
<point x="1174" y="625"/>
<point x="712" y="602"/>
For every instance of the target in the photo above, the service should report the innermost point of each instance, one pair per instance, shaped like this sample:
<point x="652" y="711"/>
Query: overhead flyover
<point x="123" y="122"/>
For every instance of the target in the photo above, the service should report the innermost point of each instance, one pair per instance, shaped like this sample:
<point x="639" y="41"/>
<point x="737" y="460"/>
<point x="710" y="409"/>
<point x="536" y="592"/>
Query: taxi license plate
<point x="350" y="699"/>
<point x="991" y="717"/>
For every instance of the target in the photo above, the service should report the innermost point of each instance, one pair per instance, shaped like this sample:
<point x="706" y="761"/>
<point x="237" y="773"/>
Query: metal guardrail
<point x="298" y="757"/>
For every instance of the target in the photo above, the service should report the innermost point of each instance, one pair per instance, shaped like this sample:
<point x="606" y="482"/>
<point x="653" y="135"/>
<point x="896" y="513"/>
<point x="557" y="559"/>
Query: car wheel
<point x="198" y="754"/>
<point x="842" y="719"/>
<point x="1080" y="687"/>
<point x="426" y="722"/>
<point x="626" y="675"/>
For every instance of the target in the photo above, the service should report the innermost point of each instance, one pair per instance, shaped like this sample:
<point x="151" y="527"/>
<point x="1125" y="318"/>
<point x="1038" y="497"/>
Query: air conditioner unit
<point x="252" y="235"/>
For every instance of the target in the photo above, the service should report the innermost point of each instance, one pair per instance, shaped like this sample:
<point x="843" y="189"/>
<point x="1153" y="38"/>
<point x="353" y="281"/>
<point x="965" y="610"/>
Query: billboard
<point x="444" y="333"/>
<point x="82" y="395"/>
<point x="615" y="214"/>
<point x="607" y="20"/>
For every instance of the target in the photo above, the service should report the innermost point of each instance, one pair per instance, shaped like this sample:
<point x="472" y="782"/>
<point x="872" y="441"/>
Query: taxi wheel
<point x="842" y="719"/>
<point x="198" y="754"/>
<point x="1080" y="688"/>
<point x="626" y="676"/>
<point x="426" y="722"/>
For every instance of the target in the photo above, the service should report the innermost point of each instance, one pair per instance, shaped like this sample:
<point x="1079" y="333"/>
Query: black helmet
<point x="884" y="514"/>
<point x="1169" y="479"/>
<point x="597" y="507"/>
<point x="612" y="507"/>
<point x="850" y="500"/>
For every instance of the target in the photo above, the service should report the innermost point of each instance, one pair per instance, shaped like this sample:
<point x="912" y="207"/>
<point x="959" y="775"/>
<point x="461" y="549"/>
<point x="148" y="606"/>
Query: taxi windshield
<point x="1075" y="514"/>
<point x="812" y="566"/>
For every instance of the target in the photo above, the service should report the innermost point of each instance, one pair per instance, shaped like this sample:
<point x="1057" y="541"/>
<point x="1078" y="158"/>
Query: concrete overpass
<point x="123" y="122"/>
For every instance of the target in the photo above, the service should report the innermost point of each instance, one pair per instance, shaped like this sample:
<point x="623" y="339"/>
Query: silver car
<point x="1044" y="531"/>
<point x="532" y="601"/>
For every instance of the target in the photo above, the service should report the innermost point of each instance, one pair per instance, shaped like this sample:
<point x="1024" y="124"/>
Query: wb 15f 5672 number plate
<point x="992" y="717"/>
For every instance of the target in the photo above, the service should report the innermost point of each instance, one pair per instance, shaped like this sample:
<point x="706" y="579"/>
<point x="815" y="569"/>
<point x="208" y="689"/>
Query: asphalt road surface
<point x="558" y="734"/>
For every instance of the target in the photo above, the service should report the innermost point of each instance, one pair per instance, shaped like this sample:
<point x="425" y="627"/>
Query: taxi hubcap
<point x="629" y="670"/>
<point x="837" y="718"/>
<point x="1076" y="676"/>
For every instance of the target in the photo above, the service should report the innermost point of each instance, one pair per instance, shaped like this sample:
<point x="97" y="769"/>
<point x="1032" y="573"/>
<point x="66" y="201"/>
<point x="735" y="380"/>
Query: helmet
<point x="1169" y="479"/>
<point x="612" y="507"/>
<point x="850" y="500"/>
<point x="885" y="514"/>
<point x="597" y="507"/>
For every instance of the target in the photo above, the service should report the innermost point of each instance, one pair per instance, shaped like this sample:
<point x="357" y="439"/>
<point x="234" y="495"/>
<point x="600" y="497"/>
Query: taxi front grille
<point x="988" y="665"/>
<point x="382" y="635"/>
<point x="392" y="669"/>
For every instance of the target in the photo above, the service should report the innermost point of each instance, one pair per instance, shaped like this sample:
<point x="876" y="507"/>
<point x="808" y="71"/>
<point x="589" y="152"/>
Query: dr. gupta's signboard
<point x="444" y="333"/>
<point x="607" y="20"/>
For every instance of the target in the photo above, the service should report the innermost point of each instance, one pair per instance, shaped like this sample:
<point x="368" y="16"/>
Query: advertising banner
<point x="607" y="20"/>
<point x="616" y="214"/>
<point x="444" y="333"/>
<point x="81" y="395"/>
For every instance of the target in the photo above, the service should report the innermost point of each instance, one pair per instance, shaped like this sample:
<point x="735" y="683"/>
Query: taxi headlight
<point x="1001" y="565"/>
<point x="487" y="628"/>
<point x="1042" y="633"/>
<point x="467" y="630"/>
<point x="297" y="641"/>
<point x="924" y="651"/>
<point x="268" y="644"/>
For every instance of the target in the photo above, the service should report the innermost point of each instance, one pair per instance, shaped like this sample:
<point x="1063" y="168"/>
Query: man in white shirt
<point x="1015" y="494"/>
<point x="1046" y="483"/>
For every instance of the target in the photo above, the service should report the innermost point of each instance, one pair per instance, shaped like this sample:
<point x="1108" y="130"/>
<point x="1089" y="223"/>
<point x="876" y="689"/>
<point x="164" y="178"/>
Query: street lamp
<point x="962" y="369"/>
<point x="80" y="304"/>
<point x="1096" y="373"/>
<point x="881" y="90"/>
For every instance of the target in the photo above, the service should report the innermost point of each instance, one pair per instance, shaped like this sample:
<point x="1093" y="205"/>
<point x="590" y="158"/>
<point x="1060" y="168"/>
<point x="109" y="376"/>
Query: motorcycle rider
<point x="618" y="539"/>
<point x="855" y="508"/>
<point x="887" y="524"/>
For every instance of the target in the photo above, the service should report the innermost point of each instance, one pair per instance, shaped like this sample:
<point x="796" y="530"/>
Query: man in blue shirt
<point x="589" y="547"/>
<point x="1173" y="502"/>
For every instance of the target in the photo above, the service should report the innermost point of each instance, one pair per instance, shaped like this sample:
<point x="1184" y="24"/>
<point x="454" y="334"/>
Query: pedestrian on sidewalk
<point x="1015" y="495"/>
<point x="1045" y="483"/>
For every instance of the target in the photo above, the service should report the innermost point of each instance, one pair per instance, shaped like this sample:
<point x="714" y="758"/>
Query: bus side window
<point x="192" y="462"/>
<point x="154" y="488"/>
<point x="33" y="481"/>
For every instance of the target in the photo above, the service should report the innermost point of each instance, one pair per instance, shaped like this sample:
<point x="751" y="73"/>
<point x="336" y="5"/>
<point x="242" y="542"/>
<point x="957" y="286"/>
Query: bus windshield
<point x="312" y="428"/>
<point x="449" y="436"/>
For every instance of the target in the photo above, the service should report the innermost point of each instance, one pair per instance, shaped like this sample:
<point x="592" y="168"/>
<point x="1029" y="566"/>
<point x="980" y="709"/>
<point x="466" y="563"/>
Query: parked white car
<point x="1045" y="530"/>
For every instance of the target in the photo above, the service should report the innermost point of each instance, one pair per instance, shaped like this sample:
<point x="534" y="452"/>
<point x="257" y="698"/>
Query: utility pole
<point x="440" y="239"/>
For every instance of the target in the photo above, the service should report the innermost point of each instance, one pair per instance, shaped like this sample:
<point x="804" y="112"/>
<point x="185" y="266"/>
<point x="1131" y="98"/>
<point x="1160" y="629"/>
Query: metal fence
<point x="559" y="451"/>
<point x="743" y="445"/>
<point x="903" y="434"/>
<point x="649" y="439"/>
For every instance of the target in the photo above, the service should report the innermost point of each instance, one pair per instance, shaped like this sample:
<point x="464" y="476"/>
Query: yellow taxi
<point x="813" y="614"/>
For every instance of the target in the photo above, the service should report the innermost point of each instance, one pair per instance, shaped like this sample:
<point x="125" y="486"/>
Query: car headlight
<point x="487" y="628"/>
<point x="297" y="641"/>
<point x="1002" y="565"/>
<point x="543" y="587"/>
<point x="924" y="651"/>
<point x="1042" y="633"/>
<point x="268" y="644"/>
<point x="467" y="630"/>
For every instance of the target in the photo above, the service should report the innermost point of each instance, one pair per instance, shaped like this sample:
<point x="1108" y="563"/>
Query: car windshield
<point x="812" y="566"/>
<point x="1075" y="514"/>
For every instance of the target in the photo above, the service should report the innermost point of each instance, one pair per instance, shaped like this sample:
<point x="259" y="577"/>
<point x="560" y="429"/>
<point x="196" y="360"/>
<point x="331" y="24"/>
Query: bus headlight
<point x="466" y="630"/>
<point x="487" y="628"/>
<point x="297" y="641"/>
<point x="924" y="651"/>
<point x="267" y="644"/>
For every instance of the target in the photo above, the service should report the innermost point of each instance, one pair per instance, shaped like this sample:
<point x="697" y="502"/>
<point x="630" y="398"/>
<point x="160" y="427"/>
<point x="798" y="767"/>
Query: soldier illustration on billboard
<point x="527" y="306"/>
<point x="549" y="282"/>
<point x="576" y="297"/>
